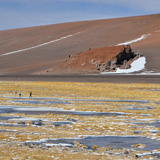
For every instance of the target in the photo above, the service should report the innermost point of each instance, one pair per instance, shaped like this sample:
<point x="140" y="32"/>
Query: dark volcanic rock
<point x="125" y="55"/>
<point x="122" y="60"/>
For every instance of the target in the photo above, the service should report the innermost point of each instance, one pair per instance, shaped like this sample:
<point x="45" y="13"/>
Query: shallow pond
<point x="38" y="100"/>
<point x="44" y="110"/>
<point x="155" y="124"/>
<point x="107" y="141"/>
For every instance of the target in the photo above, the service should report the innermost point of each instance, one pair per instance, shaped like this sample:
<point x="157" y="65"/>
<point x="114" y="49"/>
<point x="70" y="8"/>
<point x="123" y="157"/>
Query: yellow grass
<point x="85" y="125"/>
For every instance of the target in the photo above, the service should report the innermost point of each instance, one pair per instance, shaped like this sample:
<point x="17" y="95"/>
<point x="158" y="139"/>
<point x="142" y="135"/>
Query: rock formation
<point x="122" y="60"/>
<point x="106" y="59"/>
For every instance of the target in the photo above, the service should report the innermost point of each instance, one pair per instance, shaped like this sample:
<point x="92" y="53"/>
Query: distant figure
<point x="30" y="94"/>
<point x="20" y="94"/>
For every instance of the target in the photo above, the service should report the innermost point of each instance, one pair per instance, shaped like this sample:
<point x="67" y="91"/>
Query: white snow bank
<point x="146" y="73"/>
<point x="43" y="44"/>
<point x="24" y="119"/>
<point x="136" y="65"/>
<point x="59" y="144"/>
<point x="38" y="109"/>
<point x="148" y="153"/>
<point x="135" y="40"/>
<point x="126" y="136"/>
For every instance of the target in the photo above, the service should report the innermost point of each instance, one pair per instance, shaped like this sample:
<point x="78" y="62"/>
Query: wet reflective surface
<point x="122" y="122"/>
<point x="108" y="141"/>
<point x="44" y="110"/>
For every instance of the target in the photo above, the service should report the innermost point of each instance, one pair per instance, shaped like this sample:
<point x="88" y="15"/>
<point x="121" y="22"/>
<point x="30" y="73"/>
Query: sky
<point x="28" y="13"/>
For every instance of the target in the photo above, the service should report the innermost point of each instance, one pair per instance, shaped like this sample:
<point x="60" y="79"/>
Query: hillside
<point x="38" y="49"/>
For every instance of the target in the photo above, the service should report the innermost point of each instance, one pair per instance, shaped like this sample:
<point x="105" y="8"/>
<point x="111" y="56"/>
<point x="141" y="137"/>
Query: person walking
<point x="30" y="94"/>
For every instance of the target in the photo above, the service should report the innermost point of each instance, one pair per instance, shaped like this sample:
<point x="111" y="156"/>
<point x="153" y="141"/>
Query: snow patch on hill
<point x="135" y="40"/>
<point x="136" y="66"/>
<point x="40" y="45"/>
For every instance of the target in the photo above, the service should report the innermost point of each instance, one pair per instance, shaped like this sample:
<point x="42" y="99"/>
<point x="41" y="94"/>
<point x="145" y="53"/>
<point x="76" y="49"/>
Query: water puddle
<point x="155" y="124"/>
<point x="12" y="125"/>
<point x="7" y="130"/>
<point x="65" y="101"/>
<point x="106" y="141"/>
<point x="128" y="101"/>
<point x="59" y="123"/>
<point x="7" y="117"/>
<point x="40" y="102"/>
<point x="137" y="108"/>
<point x="23" y="120"/>
<point x="44" y="110"/>
<point x="35" y="121"/>
<point x="150" y="153"/>
<point x="137" y="132"/>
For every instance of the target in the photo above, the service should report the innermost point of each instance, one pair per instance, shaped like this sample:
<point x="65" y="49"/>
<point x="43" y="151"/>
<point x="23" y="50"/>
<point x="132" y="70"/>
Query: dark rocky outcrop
<point x="106" y="59"/>
<point x="122" y="60"/>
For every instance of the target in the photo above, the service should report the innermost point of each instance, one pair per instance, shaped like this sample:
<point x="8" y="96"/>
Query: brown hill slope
<point x="85" y="35"/>
<point x="150" y="47"/>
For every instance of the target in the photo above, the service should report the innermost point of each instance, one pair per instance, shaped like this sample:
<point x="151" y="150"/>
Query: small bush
<point x="94" y="147"/>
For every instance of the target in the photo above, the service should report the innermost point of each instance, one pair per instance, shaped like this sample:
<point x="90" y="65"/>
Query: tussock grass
<point x="126" y="124"/>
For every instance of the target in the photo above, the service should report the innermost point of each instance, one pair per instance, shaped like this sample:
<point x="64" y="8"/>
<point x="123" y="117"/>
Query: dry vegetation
<point x="12" y="138"/>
